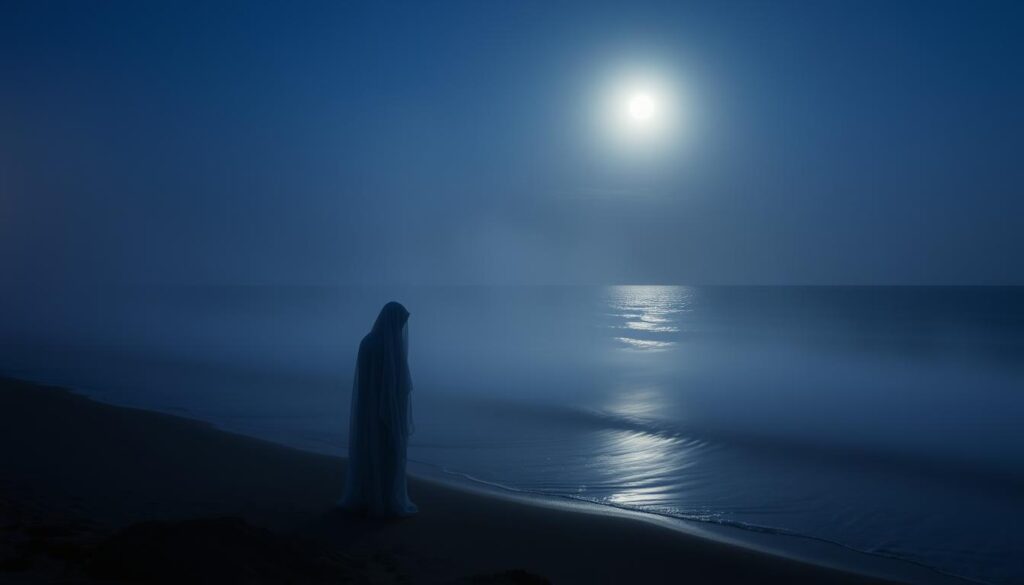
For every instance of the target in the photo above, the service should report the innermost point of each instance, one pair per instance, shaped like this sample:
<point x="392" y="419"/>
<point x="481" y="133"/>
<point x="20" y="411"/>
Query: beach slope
<point x="97" y="493"/>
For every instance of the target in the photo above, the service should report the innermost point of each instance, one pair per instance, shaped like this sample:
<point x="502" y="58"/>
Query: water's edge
<point x="793" y="546"/>
<point x="802" y="548"/>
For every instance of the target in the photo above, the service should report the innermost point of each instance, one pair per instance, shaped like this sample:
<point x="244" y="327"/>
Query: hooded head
<point x="391" y="320"/>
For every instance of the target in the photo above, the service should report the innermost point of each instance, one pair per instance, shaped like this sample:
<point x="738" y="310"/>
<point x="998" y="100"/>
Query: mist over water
<point x="883" y="419"/>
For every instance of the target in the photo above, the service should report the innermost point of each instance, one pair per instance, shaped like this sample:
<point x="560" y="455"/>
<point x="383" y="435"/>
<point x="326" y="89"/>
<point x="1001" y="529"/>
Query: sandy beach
<point x="97" y="493"/>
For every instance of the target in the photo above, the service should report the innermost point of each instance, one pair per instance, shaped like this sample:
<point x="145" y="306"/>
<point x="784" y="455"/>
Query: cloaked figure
<point x="381" y="420"/>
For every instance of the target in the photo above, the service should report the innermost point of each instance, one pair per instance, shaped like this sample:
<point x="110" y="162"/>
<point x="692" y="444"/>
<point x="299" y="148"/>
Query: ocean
<point x="885" y="420"/>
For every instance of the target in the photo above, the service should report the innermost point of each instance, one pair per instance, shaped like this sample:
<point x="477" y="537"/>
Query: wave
<point x="704" y="520"/>
<point x="792" y="447"/>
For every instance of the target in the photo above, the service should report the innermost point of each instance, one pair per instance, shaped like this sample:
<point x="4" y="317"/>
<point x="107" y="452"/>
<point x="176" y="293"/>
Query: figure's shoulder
<point x="367" y="345"/>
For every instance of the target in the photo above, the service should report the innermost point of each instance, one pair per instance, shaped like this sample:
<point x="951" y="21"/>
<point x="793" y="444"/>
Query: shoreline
<point x="792" y="546"/>
<point x="811" y="550"/>
<point x="72" y="456"/>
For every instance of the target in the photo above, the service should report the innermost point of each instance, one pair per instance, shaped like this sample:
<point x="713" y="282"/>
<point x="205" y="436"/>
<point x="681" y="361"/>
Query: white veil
<point x="388" y="363"/>
<point x="381" y="419"/>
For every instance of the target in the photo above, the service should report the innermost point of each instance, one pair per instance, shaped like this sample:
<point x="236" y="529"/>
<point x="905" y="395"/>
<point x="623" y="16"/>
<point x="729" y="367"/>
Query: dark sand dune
<point x="97" y="493"/>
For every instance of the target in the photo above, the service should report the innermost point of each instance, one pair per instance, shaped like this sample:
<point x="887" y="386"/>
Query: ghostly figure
<point x="381" y="419"/>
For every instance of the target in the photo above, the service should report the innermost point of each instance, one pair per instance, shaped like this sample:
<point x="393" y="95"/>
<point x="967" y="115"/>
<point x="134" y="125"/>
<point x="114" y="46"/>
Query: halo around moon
<point x="638" y="115"/>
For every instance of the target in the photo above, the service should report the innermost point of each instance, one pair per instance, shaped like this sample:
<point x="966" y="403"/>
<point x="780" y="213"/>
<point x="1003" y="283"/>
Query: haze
<point x="413" y="143"/>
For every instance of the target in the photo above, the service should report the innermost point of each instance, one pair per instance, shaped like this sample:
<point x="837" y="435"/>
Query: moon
<point x="641" y="106"/>
<point x="640" y="115"/>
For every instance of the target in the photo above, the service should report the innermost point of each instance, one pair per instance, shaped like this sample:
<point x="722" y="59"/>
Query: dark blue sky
<point x="827" y="143"/>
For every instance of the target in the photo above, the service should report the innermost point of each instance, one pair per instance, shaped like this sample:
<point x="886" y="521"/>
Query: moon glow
<point x="639" y="116"/>
<point x="641" y="106"/>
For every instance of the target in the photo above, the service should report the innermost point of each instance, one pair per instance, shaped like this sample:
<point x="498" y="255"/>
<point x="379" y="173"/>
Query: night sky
<point x="437" y="142"/>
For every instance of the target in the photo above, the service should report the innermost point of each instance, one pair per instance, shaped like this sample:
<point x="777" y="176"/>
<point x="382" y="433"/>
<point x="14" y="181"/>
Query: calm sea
<point x="886" y="420"/>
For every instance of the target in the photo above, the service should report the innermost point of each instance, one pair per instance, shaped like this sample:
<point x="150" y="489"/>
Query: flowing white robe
<point x="381" y="420"/>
